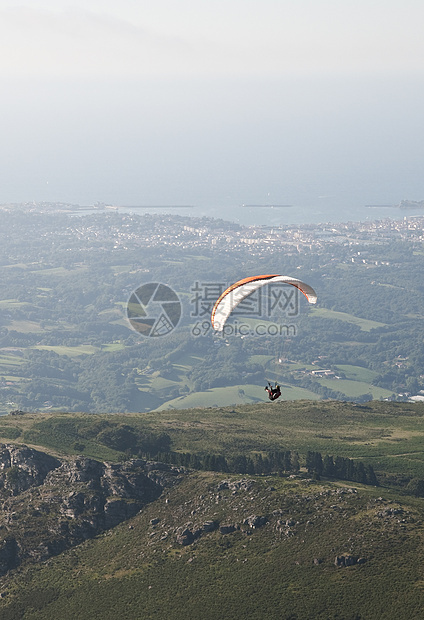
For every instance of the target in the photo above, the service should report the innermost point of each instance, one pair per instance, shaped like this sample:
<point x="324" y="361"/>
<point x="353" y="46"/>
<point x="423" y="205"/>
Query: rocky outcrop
<point x="236" y="485"/>
<point x="185" y="538"/>
<point x="348" y="560"/>
<point x="22" y="468"/>
<point x="390" y="512"/>
<point x="188" y="536"/>
<point x="49" y="505"/>
<point x="255" y="521"/>
<point x="210" y="526"/>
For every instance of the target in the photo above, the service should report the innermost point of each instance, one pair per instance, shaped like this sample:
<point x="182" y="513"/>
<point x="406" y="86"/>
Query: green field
<point x="232" y="395"/>
<point x="357" y="373"/>
<point x="25" y="327"/>
<point x="12" y="304"/>
<point x="358" y="383"/>
<point x="58" y="271"/>
<point x="16" y="266"/>
<point x="32" y="327"/>
<point x="186" y="362"/>
<point x="113" y="346"/>
<point x="9" y="360"/>
<point x="13" y="378"/>
<point x="117" y="269"/>
<point x="83" y="349"/>
<point x="353" y="389"/>
<point x="264" y="360"/>
<point x="364" y="324"/>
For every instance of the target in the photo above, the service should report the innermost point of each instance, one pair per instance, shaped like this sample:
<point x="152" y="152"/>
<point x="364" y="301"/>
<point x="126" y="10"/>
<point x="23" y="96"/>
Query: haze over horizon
<point x="213" y="104"/>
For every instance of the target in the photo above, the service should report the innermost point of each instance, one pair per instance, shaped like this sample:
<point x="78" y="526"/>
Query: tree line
<point x="273" y="462"/>
<point x="280" y="462"/>
<point x="340" y="468"/>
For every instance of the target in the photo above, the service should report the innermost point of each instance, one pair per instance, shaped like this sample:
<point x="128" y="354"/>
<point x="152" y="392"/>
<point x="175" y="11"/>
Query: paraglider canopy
<point x="241" y="289"/>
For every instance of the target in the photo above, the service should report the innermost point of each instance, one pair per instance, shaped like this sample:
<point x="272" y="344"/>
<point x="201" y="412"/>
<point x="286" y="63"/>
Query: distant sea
<point x="275" y="215"/>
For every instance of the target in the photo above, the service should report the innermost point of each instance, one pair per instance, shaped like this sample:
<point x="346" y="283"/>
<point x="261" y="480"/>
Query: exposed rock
<point x="70" y="501"/>
<point x="210" y="526"/>
<point x="390" y="512"/>
<point x="185" y="535"/>
<point x="254" y="521"/>
<point x="163" y="474"/>
<point x="82" y="469"/>
<point x="22" y="467"/>
<point x="348" y="560"/>
<point x="227" y="529"/>
<point x="236" y="485"/>
<point x="73" y="505"/>
<point x="185" y="538"/>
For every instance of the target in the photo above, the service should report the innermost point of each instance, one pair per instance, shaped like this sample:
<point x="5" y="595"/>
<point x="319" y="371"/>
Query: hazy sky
<point x="211" y="102"/>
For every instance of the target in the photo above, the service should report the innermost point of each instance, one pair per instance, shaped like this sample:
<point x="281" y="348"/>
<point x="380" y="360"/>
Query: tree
<point x="328" y="468"/>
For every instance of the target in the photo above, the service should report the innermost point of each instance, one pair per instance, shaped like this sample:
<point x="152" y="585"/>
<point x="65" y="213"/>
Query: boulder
<point x="210" y="526"/>
<point x="255" y="521"/>
<point x="243" y="484"/>
<point x="348" y="560"/>
<point x="185" y="538"/>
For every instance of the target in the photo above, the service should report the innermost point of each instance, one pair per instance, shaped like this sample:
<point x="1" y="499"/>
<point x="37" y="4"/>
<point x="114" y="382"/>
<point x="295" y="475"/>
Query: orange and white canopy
<point x="241" y="289"/>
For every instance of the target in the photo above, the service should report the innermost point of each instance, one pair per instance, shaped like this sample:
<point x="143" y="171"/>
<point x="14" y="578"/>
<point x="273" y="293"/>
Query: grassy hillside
<point x="387" y="435"/>
<point x="286" y="546"/>
<point x="284" y="568"/>
<point x="234" y="394"/>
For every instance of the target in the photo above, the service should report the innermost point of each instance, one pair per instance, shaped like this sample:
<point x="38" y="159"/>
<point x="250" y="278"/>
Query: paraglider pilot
<point x="273" y="393"/>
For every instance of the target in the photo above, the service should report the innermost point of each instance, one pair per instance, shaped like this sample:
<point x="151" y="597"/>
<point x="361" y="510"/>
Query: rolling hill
<point x="213" y="544"/>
